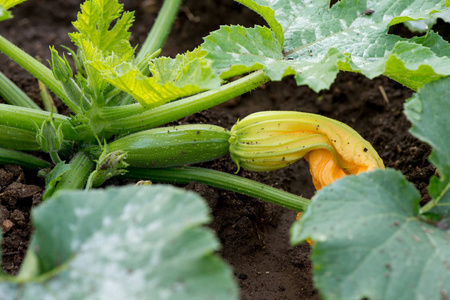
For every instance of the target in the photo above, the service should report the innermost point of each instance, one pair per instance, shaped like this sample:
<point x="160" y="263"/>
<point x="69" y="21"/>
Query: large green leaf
<point x="370" y="241"/>
<point x="318" y="41"/>
<point x="428" y="112"/>
<point x="122" y="243"/>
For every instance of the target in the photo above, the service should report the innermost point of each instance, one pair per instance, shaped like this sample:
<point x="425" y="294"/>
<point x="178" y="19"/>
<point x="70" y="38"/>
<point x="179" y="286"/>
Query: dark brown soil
<point x="254" y="234"/>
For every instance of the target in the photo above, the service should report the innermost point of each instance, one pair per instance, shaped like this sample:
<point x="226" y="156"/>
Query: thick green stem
<point x="112" y="113"/>
<point x="33" y="66"/>
<point x="18" y="139"/>
<point x="81" y="166"/>
<point x="138" y="119"/>
<point x="13" y="95"/>
<point x="160" y="30"/>
<point x="224" y="181"/>
<point x="25" y="160"/>
<point x="26" y="118"/>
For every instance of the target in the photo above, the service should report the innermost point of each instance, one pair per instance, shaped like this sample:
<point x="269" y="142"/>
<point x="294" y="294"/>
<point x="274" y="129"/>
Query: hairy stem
<point x="224" y="181"/>
<point x="138" y="119"/>
<point x="19" y="158"/>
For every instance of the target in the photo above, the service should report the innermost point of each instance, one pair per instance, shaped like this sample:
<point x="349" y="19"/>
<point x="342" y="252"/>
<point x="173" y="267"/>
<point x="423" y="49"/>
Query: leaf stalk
<point x="133" y="118"/>
<point x="221" y="180"/>
<point x="33" y="66"/>
<point x="14" y="95"/>
<point x="22" y="159"/>
<point x="160" y="30"/>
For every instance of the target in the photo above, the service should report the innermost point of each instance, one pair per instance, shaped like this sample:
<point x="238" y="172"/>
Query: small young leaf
<point x="102" y="36"/>
<point x="5" y="5"/>
<point x="185" y="75"/>
<point x="370" y="241"/>
<point x="428" y="112"/>
<point x="124" y="243"/>
<point x="318" y="41"/>
<point x="53" y="178"/>
<point x="94" y="22"/>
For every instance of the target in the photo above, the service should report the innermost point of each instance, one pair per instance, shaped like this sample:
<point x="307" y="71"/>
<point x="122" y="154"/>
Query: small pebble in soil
<point x="7" y="225"/>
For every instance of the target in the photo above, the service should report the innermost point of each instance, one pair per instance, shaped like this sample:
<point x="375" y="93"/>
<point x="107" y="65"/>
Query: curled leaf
<point x="271" y="140"/>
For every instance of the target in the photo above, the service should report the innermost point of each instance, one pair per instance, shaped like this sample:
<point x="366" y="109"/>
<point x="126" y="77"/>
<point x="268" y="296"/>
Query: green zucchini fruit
<point x="171" y="146"/>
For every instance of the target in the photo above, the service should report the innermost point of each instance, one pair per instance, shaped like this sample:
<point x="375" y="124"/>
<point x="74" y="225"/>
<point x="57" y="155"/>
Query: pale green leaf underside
<point x="428" y="112"/>
<point x="370" y="242"/>
<point x="185" y="75"/>
<point x="358" y="42"/>
<point x="127" y="243"/>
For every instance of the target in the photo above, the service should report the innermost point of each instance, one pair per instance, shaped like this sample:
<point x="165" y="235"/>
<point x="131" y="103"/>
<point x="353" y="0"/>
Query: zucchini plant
<point x="119" y="98"/>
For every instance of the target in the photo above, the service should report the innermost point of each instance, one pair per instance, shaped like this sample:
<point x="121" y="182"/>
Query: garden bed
<point x="254" y="235"/>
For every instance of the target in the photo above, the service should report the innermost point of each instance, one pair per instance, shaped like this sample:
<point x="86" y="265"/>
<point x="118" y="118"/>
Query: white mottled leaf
<point x="319" y="41"/>
<point x="123" y="243"/>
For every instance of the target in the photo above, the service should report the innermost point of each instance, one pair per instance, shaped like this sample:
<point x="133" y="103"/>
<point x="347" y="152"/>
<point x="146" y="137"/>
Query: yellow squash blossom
<point x="271" y="140"/>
